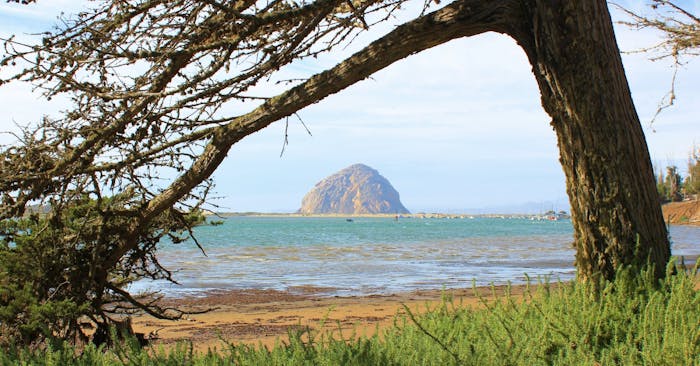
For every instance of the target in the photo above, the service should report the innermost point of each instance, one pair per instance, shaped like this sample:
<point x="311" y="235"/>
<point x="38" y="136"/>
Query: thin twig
<point x="286" y="136"/>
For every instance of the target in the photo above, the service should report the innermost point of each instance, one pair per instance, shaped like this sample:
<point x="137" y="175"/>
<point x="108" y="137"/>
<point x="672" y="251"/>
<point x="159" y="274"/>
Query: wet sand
<point x="263" y="317"/>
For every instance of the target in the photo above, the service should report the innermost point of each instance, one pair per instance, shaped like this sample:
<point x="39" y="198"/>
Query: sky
<point x="457" y="128"/>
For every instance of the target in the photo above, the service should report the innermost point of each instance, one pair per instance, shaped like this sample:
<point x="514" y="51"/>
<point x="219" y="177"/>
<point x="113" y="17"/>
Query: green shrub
<point x="55" y="272"/>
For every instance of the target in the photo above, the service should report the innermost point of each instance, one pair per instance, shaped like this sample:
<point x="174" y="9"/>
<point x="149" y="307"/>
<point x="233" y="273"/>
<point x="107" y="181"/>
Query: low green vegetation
<point x="632" y="321"/>
<point x="56" y="274"/>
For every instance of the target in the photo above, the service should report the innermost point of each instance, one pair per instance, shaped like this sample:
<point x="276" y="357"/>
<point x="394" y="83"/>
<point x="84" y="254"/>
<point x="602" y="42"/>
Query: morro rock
<point x="357" y="189"/>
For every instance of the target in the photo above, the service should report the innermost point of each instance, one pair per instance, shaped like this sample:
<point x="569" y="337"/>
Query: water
<point x="375" y="255"/>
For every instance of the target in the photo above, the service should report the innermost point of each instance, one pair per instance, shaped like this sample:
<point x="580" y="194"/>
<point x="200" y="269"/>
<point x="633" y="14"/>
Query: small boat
<point x="349" y="220"/>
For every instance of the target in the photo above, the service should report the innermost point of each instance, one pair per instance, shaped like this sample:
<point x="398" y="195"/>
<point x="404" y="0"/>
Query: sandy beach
<point x="266" y="316"/>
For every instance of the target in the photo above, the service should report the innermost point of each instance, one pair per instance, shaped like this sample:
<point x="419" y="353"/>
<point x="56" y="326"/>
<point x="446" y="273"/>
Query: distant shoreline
<point x="418" y="215"/>
<point x="682" y="213"/>
<point x="676" y="213"/>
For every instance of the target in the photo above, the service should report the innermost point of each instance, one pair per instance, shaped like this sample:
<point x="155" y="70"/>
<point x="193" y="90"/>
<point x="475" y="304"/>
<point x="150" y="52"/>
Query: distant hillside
<point x="687" y="212"/>
<point x="357" y="189"/>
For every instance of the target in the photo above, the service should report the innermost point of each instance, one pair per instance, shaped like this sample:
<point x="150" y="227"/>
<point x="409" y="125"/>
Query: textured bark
<point x="609" y="178"/>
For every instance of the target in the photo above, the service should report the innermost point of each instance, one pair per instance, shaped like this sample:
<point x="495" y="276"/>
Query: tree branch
<point x="458" y="19"/>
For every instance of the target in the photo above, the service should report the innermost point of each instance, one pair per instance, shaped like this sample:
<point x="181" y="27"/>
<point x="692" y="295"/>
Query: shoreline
<point x="417" y="215"/>
<point x="677" y="213"/>
<point x="264" y="317"/>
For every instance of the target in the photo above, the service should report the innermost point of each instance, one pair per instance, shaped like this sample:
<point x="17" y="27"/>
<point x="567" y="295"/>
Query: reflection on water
<point x="375" y="255"/>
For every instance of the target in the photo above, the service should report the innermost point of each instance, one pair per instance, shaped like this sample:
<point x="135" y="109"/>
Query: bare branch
<point x="681" y="30"/>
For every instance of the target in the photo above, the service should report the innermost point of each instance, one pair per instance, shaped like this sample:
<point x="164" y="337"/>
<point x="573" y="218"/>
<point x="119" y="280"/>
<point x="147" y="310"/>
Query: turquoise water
<point x="375" y="255"/>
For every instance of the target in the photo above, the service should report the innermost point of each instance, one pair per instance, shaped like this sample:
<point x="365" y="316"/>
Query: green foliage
<point x="54" y="273"/>
<point x="692" y="181"/>
<point x="669" y="186"/>
<point x="632" y="321"/>
<point x="662" y="189"/>
<point x="673" y="187"/>
<point x="35" y="270"/>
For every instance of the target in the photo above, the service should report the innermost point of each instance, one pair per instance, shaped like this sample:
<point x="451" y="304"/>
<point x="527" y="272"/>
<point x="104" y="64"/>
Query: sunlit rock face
<point x="355" y="190"/>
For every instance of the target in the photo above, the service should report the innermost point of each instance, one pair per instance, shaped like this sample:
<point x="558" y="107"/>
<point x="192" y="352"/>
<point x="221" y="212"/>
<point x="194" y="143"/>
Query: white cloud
<point x="460" y="125"/>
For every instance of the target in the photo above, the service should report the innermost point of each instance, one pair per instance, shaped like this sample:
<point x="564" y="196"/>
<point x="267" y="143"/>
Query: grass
<point x="632" y="321"/>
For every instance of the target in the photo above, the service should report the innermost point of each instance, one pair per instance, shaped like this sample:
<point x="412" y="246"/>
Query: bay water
<point x="335" y="256"/>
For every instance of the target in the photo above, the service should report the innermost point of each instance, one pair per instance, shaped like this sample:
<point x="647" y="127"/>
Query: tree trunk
<point x="615" y="208"/>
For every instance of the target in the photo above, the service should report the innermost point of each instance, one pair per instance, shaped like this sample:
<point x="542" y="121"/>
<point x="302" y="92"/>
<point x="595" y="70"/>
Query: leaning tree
<point x="152" y="84"/>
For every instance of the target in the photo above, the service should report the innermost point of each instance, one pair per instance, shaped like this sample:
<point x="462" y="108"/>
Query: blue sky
<point x="455" y="128"/>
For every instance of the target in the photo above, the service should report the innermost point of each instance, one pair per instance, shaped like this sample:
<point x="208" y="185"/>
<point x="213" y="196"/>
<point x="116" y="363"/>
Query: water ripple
<point x="373" y="255"/>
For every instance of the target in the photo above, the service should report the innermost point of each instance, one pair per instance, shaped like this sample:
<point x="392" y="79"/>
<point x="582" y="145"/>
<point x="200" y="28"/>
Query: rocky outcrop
<point x="357" y="189"/>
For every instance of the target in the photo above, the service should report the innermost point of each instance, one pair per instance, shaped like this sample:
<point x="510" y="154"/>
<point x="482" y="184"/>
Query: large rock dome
<point x="357" y="189"/>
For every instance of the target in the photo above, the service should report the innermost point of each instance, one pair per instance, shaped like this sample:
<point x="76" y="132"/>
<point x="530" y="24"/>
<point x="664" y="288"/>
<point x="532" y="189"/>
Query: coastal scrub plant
<point x="634" y="320"/>
<point x="54" y="284"/>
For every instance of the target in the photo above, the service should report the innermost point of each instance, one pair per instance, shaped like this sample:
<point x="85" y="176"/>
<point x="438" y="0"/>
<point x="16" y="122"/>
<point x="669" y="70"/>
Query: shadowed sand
<point x="265" y="316"/>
